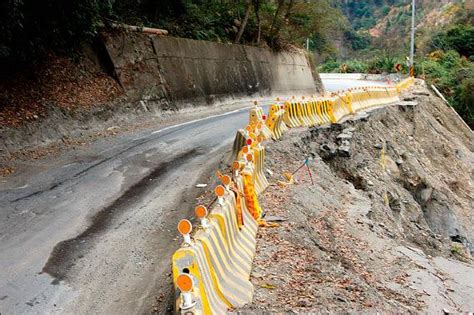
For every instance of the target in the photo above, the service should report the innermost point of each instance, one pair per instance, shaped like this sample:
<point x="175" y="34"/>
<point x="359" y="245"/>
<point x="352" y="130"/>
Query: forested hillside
<point x="30" y="29"/>
<point x="378" y="38"/>
<point x="46" y="47"/>
<point x="348" y="35"/>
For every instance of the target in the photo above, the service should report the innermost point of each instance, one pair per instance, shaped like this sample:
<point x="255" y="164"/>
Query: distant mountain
<point x="386" y="23"/>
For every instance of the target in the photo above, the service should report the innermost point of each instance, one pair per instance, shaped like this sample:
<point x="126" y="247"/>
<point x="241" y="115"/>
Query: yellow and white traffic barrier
<point x="275" y="121"/>
<point x="281" y="124"/>
<point x="290" y="117"/>
<point x="330" y="111"/>
<point x="247" y="210"/>
<point x="321" y="105"/>
<point x="231" y="282"/>
<point x="239" y="240"/>
<point x="314" y="112"/>
<point x="211" y="270"/>
<point x="259" y="154"/>
<point x="239" y="143"/>
<point x="257" y="120"/>
<point x="190" y="259"/>
<point x="405" y="84"/>
<point x="303" y="114"/>
<point x="249" y="226"/>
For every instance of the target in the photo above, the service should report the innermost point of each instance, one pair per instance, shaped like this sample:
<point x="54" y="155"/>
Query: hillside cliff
<point x="385" y="227"/>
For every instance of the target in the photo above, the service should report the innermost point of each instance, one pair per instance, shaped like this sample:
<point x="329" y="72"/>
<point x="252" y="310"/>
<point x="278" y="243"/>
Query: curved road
<point x="93" y="232"/>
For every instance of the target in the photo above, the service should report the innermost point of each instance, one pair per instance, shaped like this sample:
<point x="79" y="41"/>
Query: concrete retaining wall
<point x="176" y="71"/>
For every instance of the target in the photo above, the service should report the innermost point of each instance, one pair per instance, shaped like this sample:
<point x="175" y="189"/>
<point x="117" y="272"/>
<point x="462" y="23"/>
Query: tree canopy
<point x="31" y="28"/>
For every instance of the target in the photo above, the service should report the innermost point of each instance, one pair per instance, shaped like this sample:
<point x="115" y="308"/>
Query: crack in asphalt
<point x="66" y="253"/>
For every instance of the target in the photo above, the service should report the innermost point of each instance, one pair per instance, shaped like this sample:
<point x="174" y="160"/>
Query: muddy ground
<point x="388" y="223"/>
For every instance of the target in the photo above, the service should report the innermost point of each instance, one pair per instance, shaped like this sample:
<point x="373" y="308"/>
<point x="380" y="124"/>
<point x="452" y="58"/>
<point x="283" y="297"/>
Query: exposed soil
<point x="59" y="82"/>
<point x="387" y="225"/>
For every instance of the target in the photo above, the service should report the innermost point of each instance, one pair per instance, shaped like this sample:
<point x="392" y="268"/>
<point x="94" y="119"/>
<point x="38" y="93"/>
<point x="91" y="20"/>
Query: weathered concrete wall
<point x="177" y="71"/>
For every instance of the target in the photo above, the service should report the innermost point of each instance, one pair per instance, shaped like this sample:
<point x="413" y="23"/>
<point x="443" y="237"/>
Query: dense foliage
<point x="444" y="51"/>
<point x="31" y="28"/>
<point x="450" y="72"/>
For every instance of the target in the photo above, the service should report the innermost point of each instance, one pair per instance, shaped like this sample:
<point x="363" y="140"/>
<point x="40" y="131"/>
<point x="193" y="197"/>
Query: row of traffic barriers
<point x="211" y="269"/>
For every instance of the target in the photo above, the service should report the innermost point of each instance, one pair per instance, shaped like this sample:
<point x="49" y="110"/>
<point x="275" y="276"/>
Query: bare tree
<point x="256" y="9"/>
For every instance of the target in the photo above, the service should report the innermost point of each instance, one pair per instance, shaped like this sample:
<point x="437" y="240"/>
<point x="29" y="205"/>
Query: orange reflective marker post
<point x="201" y="213"/>
<point x="220" y="191"/>
<point x="185" y="284"/>
<point x="185" y="227"/>
<point x="226" y="180"/>
<point x="236" y="165"/>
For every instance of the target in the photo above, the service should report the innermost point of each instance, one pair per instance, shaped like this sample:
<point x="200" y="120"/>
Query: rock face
<point x="387" y="229"/>
<point x="176" y="71"/>
<point x="424" y="175"/>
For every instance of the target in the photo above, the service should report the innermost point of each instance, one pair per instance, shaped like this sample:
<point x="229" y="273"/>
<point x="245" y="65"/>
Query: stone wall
<point x="176" y="72"/>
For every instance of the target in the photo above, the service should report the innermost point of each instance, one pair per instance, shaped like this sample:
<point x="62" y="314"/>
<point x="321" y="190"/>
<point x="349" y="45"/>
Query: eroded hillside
<point x="388" y="223"/>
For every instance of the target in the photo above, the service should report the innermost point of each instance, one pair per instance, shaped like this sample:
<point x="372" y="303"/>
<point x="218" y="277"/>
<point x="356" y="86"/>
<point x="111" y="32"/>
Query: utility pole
<point x="412" y="41"/>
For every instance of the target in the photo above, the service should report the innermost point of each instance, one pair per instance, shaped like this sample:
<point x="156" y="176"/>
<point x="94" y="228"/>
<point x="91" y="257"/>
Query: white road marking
<point x="200" y="119"/>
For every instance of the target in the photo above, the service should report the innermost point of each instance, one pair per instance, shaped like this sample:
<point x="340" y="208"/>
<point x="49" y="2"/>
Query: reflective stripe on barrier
<point x="259" y="154"/>
<point x="275" y="121"/>
<point x="231" y="283"/>
<point x="290" y="117"/>
<point x="320" y="109"/>
<point x="192" y="260"/>
<point x="238" y="242"/>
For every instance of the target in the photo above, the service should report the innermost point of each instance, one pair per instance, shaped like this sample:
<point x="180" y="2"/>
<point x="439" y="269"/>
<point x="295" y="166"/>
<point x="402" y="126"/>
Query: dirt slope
<point x="376" y="232"/>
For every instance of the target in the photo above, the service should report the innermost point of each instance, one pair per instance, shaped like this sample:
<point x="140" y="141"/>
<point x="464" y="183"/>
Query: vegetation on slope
<point x="29" y="29"/>
<point x="444" y="45"/>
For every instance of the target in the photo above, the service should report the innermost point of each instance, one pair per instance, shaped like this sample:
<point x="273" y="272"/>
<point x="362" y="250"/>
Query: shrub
<point x="465" y="105"/>
<point x="459" y="37"/>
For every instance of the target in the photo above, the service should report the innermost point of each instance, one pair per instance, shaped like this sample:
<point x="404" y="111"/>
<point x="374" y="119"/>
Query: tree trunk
<point x="256" y="8"/>
<point x="244" y="23"/>
<point x="286" y="16"/>
<point x="275" y="17"/>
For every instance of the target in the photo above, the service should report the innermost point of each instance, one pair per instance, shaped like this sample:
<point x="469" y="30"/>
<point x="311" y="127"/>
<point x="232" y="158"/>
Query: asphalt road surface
<point x="93" y="231"/>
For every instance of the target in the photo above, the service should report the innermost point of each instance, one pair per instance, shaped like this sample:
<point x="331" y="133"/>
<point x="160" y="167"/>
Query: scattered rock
<point x="344" y="136"/>
<point x="274" y="218"/>
<point x="328" y="150"/>
<point x="425" y="194"/>
<point x="399" y="161"/>
<point x="344" y="150"/>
